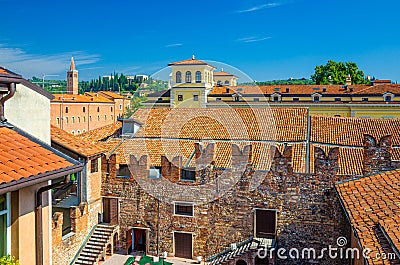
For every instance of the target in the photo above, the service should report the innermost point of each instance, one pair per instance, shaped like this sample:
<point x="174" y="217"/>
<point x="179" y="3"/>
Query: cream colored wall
<point x="23" y="233"/>
<point x="232" y="80"/>
<point x="188" y="101"/>
<point x="29" y="111"/>
<point x="206" y="73"/>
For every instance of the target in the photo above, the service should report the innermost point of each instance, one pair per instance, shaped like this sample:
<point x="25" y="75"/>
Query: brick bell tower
<point x="72" y="79"/>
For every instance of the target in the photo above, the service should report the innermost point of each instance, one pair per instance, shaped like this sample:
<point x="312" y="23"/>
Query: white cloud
<point x="265" y="6"/>
<point x="252" y="39"/>
<point x="173" y="45"/>
<point x="19" y="61"/>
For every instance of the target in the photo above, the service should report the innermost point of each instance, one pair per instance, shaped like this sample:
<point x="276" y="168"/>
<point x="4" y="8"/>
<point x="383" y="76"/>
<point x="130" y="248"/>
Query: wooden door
<point x="110" y="210"/>
<point x="183" y="245"/>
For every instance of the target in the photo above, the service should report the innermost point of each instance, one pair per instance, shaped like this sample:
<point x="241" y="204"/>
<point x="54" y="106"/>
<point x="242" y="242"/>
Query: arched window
<point x="66" y="120"/>
<point x="73" y="119"/>
<point x="226" y="82"/>
<point x="78" y="132"/>
<point x="188" y="77"/>
<point x="198" y="77"/>
<point x="98" y="109"/>
<point x="79" y="119"/>
<point x="219" y="83"/>
<point x="73" y="132"/>
<point x="84" y="119"/>
<point x="66" y="109"/>
<point x="178" y="77"/>
<point x="83" y="131"/>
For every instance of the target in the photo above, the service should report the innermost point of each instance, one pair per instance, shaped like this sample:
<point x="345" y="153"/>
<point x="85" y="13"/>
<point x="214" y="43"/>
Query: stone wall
<point x="310" y="214"/>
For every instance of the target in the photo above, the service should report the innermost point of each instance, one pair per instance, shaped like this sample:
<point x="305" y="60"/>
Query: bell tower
<point x="72" y="79"/>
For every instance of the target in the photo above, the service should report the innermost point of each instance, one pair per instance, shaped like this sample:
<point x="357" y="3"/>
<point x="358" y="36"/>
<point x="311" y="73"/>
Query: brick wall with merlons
<point x="309" y="212"/>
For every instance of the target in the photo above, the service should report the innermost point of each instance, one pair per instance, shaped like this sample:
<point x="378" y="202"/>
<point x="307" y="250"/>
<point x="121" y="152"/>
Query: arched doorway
<point x="260" y="261"/>
<point x="241" y="262"/>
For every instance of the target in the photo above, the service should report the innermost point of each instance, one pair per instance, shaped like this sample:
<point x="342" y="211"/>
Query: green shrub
<point x="8" y="260"/>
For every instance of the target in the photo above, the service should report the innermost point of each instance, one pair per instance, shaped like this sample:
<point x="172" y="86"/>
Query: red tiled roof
<point x="222" y="73"/>
<point x="100" y="134"/>
<point x="74" y="143"/>
<point x="350" y="131"/>
<point x="189" y="62"/>
<point x="7" y="73"/>
<point x="372" y="201"/>
<point x="87" y="98"/>
<point x="21" y="158"/>
<point x="112" y="94"/>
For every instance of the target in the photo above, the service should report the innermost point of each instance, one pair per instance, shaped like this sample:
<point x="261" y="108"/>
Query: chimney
<point x="227" y="90"/>
<point x="287" y="90"/>
<point x="348" y="80"/>
<point x="324" y="89"/>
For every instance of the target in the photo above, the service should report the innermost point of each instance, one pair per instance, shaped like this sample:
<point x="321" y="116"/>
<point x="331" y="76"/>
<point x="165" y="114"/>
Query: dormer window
<point x="388" y="97"/>
<point x="219" y="83"/>
<point x="188" y="77"/>
<point x="178" y="77"/>
<point x="275" y="97"/>
<point x="316" y="97"/>
<point x="198" y="77"/>
<point x="129" y="127"/>
<point x="155" y="173"/>
<point x="123" y="171"/>
<point x="188" y="175"/>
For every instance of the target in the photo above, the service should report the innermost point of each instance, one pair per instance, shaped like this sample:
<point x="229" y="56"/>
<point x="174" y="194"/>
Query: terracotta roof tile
<point x="189" y="62"/>
<point x="22" y="158"/>
<point x="100" y="134"/>
<point x="87" y="98"/>
<point x="112" y="94"/>
<point x="370" y="202"/>
<point x="222" y="73"/>
<point x="78" y="145"/>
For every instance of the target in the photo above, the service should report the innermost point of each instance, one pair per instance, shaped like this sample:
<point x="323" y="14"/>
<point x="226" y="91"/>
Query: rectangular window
<point x="276" y="99"/>
<point x="256" y="99"/>
<point x="364" y="99"/>
<point x="94" y="165"/>
<point x="338" y="99"/>
<point x="296" y="99"/>
<point x="195" y="97"/>
<point x="180" y="97"/>
<point x="388" y="98"/>
<point x="265" y="223"/>
<point x="316" y="99"/>
<point x="188" y="175"/>
<point x="218" y="99"/>
<point x="183" y="208"/>
<point x="120" y="106"/>
<point x="3" y="225"/>
<point x="83" y="109"/>
<point x="123" y="171"/>
<point x="58" y="120"/>
<point x="155" y="173"/>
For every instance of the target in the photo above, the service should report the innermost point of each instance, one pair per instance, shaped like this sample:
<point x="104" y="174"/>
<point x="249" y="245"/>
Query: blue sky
<point x="267" y="40"/>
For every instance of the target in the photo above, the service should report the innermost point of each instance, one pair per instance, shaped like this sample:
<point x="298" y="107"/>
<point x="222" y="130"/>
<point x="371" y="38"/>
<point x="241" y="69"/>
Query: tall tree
<point x="336" y="72"/>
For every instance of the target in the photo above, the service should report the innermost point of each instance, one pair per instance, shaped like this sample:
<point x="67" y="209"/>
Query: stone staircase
<point x="251" y="244"/>
<point x="95" y="247"/>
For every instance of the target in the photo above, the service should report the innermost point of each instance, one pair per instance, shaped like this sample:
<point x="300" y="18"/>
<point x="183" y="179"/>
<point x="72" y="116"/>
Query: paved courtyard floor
<point x="120" y="259"/>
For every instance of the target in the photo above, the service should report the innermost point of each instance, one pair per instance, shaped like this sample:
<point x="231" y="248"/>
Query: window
<point x="195" y="97"/>
<point x="338" y="99"/>
<point x="79" y="119"/>
<point x="219" y="83"/>
<point x="265" y="223"/>
<point x="388" y="98"/>
<point x="180" y="97"/>
<point x="3" y="224"/>
<point x="218" y="99"/>
<point x="296" y="99"/>
<point x="123" y="171"/>
<point x="188" y="77"/>
<point x="66" y="120"/>
<point x="90" y="118"/>
<point x="178" y="77"/>
<point x="111" y="109"/>
<point x="276" y="98"/>
<point x="105" y="117"/>
<point x="66" y="109"/>
<point x="78" y="132"/>
<point x="155" y="173"/>
<point x="112" y="117"/>
<point x="198" y="77"/>
<point x="237" y="98"/>
<point x="316" y="98"/>
<point x="227" y="82"/>
<point x="83" y="131"/>
<point x="73" y="132"/>
<point x="98" y="118"/>
<point x="94" y="165"/>
<point x="120" y="106"/>
<point x="75" y="75"/>
<point x="84" y="119"/>
<point x="183" y="208"/>
<point x="188" y="175"/>
<point x="84" y="109"/>
<point x="98" y="109"/>
<point x="73" y="120"/>
<point x="58" y="120"/>
<point x="277" y="89"/>
<point x="256" y="99"/>
<point x="364" y="99"/>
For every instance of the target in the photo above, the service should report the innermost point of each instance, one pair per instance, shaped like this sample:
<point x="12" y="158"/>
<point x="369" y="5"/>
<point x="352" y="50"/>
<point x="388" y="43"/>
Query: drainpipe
<point x="39" y="230"/>
<point x="11" y="92"/>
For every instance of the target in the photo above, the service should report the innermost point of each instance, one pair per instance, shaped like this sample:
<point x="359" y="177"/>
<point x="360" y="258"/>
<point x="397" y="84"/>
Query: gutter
<point x="11" y="92"/>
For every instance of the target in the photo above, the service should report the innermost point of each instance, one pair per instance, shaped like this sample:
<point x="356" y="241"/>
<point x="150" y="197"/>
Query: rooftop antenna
<point x="193" y="57"/>
<point x="222" y="69"/>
